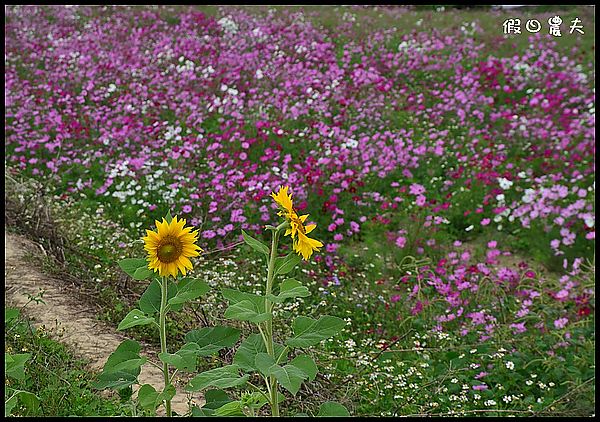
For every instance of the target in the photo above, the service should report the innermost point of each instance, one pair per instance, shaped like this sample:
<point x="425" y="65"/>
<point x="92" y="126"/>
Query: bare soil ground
<point x="71" y="321"/>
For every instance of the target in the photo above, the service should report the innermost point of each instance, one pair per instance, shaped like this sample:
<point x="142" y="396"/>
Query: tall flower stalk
<point x="163" y="337"/>
<point x="270" y="361"/>
<point x="169" y="250"/>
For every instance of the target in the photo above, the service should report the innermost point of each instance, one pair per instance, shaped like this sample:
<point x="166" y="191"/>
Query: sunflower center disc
<point x="168" y="252"/>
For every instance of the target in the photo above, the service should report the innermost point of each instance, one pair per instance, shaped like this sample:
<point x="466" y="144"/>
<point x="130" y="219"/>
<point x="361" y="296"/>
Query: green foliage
<point x="285" y="264"/>
<point x="308" y="331"/>
<point x="224" y="377"/>
<point x="133" y="318"/>
<point x="14" y="365"/>
<point x="212" y="339"/>
<point x="259" y="352"/>
<point x="245" y="307"/>
<point x="255" y="244"/>
<point x="289" y="289"/>
<point x="189" y="289"/>
<point x="332" y="409"/>
<point x="252" y="346"/>
<point x="131" y="265"/>
<point x="122" y="367"/>
<point x="54" y="383"/>
<point x="149" y="302"/>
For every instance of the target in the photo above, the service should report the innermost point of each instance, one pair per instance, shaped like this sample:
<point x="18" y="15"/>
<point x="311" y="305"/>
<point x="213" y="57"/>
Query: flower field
<point x="449" y="171"/>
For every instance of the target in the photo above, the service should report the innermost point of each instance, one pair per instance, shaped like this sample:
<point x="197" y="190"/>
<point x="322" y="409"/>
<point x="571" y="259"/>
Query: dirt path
<point x="75" y="322"/>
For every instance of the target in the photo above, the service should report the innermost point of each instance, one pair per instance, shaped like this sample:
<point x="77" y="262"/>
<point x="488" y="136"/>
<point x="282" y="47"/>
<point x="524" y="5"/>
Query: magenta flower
<point x="560" y="323"/>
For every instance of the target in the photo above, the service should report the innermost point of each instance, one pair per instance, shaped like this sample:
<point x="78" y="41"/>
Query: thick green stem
<point x="269" y="324"/>
<point x="163" y="337"/>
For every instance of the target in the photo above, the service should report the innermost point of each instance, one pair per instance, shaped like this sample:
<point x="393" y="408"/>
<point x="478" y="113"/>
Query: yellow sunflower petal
<point x="309" y="228"/>
<point x="170" y="247"/>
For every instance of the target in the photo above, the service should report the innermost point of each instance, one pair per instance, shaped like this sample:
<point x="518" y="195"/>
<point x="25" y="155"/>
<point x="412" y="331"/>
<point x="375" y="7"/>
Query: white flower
<point x="504" y="183"/>
<point x="510" y="365"/>
<point x="468" y="229"/>
<point x="259" y="74"/>
<point x="529" y="196"/>
<point x="228" y="25"/>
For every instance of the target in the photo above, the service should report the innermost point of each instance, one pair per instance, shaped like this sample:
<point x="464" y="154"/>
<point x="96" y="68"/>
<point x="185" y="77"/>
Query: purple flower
<point x="208" y="234"/>
<point x="401" y="241"/>
<point x="560" y="323"/>
<point x="481" y="375"/>
<point x="416" y="189"/>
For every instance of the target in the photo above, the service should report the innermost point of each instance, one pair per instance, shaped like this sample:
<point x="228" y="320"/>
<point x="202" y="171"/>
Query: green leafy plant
<point x="162" y="296"/>
<point x="14" y="367"/>
<point x="260" y="353"/>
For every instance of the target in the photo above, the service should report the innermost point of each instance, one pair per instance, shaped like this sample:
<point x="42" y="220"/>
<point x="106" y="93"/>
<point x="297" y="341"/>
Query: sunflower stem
<point x="269" y="344"/>
<point x="163" y="338"/>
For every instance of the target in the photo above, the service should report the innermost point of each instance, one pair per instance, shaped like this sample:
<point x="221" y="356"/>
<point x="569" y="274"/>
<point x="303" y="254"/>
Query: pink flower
<point x="208" y="234"/>
<point x="485" y="221"/>
<point x="518" y="328"/>
<point x="416" y="189"/>
<point x="401" y="241"/>
<point x="560" y="323"/>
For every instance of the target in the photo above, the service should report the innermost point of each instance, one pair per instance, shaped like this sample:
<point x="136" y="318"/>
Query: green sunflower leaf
<point x="285" y="264"/>
<point x="212" y="339"/>
<point x="189" y="289"/>
<point x="306" y="364"/>
<point x="288" y="289"/>
<point x="246" y="311"/>
<point x="130" y="265"/>
<point x="308" y="331"/>
<point x="255" y="244"/>
<point x="245" y="355"/>
<point x="122" y="367"/>
<point x="149" y="302"/>
<point x="142" y="273"/>
<point x="133" y="318"/>
<point x="224" y="377"/>
<point x="288" y="376"/>
<point x="331" y="408"/>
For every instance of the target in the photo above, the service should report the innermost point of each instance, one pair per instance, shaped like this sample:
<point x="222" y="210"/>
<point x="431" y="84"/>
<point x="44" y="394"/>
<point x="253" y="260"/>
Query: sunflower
<point x="170" y="247"/>
<point x="303" y="244"/>
<point x="284" y="200"/>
